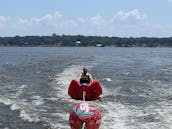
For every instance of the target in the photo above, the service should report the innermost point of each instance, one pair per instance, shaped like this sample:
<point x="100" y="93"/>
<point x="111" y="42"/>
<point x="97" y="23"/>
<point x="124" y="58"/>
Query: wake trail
<point x="113" y="113"/>
<point x="63" y="80"/>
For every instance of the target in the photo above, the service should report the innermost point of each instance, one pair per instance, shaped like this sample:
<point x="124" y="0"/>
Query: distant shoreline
<point x="83" y="41"/>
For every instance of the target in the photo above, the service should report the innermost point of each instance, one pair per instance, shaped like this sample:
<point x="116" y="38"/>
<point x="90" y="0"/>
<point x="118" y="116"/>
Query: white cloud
<point x="53" y="20"/>
<point x="81" y="20"/>
<point x="135" y="13"/>
<point x="3" y="20"/>
<point x="70" y="23"/>
<point x="38" y="20"/>
<point x="32" y="21"/>
<point x="97" y="20"/>
<point x="97" y="25"/>
<point x="50" y="17"/>
<point x="139" y="30"/>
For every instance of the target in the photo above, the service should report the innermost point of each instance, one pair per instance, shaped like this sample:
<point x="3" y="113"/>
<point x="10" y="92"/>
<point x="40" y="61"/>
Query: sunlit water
<point x="136" y="82"/>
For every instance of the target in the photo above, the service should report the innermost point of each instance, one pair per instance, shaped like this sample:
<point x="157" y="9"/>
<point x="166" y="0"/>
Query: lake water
<point x="136" y="82"/>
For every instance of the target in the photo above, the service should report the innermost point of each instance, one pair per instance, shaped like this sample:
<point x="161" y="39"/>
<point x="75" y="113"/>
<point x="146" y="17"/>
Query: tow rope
<point x="83" y="126"/>
<point x="84" y="94"/>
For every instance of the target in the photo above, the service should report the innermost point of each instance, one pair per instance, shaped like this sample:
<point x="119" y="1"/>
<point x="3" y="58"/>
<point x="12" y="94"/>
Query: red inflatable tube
<point x="85" y="116"/>
<point x="92" y="90"/>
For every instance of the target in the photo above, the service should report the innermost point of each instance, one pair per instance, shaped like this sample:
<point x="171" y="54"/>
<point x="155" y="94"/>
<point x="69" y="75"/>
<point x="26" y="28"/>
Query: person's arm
<point x="79" y="77"/>
<point x="91" y="78"/>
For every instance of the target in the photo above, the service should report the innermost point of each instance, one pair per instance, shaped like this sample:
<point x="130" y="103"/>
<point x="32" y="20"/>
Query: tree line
<point x="84" y="41"/>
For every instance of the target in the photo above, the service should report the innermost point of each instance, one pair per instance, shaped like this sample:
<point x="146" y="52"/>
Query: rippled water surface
<point x="136" y="82"/>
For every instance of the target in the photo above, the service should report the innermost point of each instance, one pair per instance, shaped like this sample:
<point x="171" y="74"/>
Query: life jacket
<point x="85" y="78"/>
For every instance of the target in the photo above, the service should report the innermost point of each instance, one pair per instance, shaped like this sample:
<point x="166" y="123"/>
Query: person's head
<point x="85" y="70"/>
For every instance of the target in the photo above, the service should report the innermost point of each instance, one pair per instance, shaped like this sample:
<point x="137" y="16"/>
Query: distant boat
<point x="99" y="45"/>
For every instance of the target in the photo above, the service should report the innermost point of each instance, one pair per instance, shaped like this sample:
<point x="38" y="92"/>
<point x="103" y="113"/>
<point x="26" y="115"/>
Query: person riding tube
<point x="85" y="77"/>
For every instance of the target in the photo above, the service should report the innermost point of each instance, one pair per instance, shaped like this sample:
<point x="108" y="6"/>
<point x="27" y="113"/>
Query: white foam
<point x="22" y="107"/>
<point x="14" y="107"/>
<point x="107" y="79"/>
<point x="63" y="79"/>
<point x="55" y="124"/>
<point x="114" y="116"/>
<point x="126" y="73"/>
<point x="52" y="98"/>
<point x="23" y="86"/>
<point x="6" y="101"/>
<point x="64" y="116"/>
<point x="59" y="126"/>
<point x="20" y="90"/>
<point x="29" y="117"/>
<point x="166" y="114"/>
<point x="37" y="100"/>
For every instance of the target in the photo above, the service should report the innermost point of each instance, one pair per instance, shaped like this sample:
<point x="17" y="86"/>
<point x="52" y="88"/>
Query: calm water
<point x="137" y="86"/>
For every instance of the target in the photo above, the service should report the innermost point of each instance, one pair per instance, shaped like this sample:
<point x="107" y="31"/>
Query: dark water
<point x="137" y="86"/>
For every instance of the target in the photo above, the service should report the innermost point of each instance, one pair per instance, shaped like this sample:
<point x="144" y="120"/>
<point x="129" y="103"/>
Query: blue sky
<point x="123" y="18"/>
